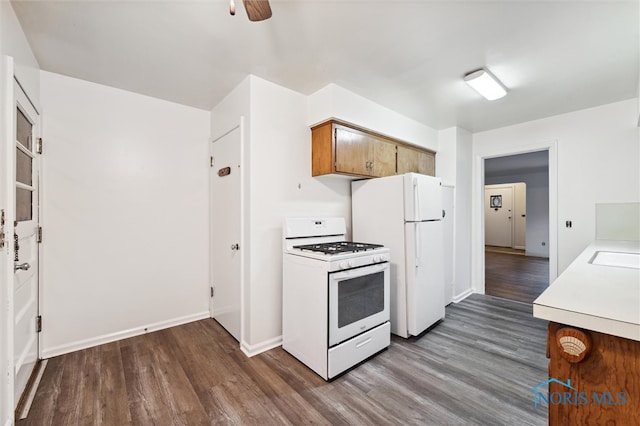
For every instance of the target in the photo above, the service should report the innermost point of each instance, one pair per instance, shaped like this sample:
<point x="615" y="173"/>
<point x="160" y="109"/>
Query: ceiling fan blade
<point x="257" y="10"/>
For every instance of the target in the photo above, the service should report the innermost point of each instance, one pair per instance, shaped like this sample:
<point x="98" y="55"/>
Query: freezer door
<point x="425" y="275"/>
<point x="422" y="197"/>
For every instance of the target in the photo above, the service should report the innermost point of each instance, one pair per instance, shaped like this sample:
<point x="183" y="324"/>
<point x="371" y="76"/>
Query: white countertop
<point x="601" y="298"/>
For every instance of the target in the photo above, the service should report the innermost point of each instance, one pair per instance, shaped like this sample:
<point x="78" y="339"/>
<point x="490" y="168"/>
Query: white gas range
<point x="335" y="296"/>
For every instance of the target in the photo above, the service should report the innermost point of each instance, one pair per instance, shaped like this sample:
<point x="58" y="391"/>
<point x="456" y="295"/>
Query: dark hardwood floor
<point x="515" y="277"/>
<point x="476" y="367"/>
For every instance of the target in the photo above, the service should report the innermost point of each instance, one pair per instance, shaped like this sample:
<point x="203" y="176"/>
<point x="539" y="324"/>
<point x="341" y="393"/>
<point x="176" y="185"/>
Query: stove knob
<point x="376" y="258"/>
<point x="383" y="258"/>
<point x="343" y="265"/>
<point x="350" y="263"/>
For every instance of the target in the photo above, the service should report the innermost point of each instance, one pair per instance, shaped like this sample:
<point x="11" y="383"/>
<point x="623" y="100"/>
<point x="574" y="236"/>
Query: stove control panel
<point x="359" y="261"/>
<point x="346" y="264"/>
<point x="380" y="258"/>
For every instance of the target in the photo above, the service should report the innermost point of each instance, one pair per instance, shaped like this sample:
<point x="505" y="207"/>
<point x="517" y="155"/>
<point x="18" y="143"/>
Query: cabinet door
<point x="407" y="160"/>
<point x="415" y="161"/>
<point x="427" y="163"/>
<point x="383" y="159"/>
<point x="353" y="152"/>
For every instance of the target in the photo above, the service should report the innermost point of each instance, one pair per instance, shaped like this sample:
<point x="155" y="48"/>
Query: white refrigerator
<point x="404" y="213"/>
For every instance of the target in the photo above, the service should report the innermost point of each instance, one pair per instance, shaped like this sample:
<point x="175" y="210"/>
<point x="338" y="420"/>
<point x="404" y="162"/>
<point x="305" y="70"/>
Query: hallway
<point x="514" y="276"/>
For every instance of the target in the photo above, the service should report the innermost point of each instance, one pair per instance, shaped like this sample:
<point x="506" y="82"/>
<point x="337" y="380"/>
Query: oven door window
<point x="358" y="301"/>
<point x="359" y="298"/>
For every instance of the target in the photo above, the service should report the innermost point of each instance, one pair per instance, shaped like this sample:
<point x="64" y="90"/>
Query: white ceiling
<point x="410" y="56"/>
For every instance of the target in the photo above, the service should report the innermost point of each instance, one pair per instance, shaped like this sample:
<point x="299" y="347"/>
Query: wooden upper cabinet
<point x="353" y="152"/>
<point x="416" y="160"/>
<point x="384" y="159"/>
<point x="343" y="149"/>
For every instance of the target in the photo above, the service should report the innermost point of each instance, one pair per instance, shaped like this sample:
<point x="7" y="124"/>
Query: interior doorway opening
<point x="516" y="224"/>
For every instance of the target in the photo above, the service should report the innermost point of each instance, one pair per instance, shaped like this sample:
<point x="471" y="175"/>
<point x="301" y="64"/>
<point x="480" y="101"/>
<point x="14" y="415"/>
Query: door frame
<point x="243" y="240"/>
<point x="6" y="280"/>
<point x="477" y="206"/>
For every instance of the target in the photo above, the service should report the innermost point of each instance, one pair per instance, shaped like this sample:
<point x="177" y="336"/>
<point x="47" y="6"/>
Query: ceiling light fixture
<point x="485" y="84"/>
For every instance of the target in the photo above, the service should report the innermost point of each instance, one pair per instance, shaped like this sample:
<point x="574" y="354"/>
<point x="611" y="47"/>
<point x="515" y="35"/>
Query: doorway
<point x="516" y="219"/>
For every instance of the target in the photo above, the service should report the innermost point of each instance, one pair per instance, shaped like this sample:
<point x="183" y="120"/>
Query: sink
<point x="614" y="258"/>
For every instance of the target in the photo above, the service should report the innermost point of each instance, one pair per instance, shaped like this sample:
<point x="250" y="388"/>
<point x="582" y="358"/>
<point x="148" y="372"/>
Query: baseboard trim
<point x="459" y="298"/>
<point x="119" y="335"/>
<point x="253" y="350"/>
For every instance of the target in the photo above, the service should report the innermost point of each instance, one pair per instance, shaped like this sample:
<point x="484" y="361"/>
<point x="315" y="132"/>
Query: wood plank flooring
<point x="514" y="277"/>
<point x="497" y="249"/>
<point x="476" y="367"/>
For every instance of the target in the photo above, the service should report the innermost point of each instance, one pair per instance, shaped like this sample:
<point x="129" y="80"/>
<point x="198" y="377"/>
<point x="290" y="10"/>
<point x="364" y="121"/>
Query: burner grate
<point x="339" y="247"/>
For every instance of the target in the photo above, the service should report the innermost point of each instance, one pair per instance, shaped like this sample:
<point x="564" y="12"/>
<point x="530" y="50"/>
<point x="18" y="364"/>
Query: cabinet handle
<point x="361" y="344"/>
<point x="574" y="344"/>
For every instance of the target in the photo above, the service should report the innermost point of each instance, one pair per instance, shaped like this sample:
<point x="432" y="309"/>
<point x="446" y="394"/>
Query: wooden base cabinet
<point x="594" y="378"/>
<point x="338" y="148"/>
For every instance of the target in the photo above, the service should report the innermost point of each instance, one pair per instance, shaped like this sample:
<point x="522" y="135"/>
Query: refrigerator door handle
<point x="417" y="239"/>
<point x="416" y="200"/>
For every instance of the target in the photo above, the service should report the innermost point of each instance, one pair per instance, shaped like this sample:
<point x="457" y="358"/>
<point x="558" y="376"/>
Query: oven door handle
<point x="358" y="272"/>
<point x="364" y="342"/>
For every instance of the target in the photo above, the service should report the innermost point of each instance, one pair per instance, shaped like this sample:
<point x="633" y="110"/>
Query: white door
<point x="24" y="243"/>
<point x="425" y="275"/>
<point x="498" y="216"/>
<point x="520" y="215"/>
<point x="226" y="221"/>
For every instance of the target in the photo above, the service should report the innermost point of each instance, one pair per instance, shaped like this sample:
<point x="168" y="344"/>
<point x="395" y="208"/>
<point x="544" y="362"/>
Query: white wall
<point x="281" y="186"/>
<point x="278" y="172"/>
<point x="598" y="161"/>
<point x="453" y="166"/>
<point x="333" y="101"/>
<point x="124" y="211"/>
<point x="14" y="43"/>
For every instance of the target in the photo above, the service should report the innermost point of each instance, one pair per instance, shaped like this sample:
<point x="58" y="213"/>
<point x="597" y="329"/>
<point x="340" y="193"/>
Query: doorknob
<point x="235" y="246"/>
<point x="23" y="267"/>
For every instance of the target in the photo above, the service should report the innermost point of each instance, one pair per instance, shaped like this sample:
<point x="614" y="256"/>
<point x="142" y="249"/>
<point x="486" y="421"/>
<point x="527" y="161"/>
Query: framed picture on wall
<point x="495" y="201"/>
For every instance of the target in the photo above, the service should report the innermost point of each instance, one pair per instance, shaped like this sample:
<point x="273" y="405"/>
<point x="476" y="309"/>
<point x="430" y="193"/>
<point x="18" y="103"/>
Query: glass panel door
<point x="25" y="245"/>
